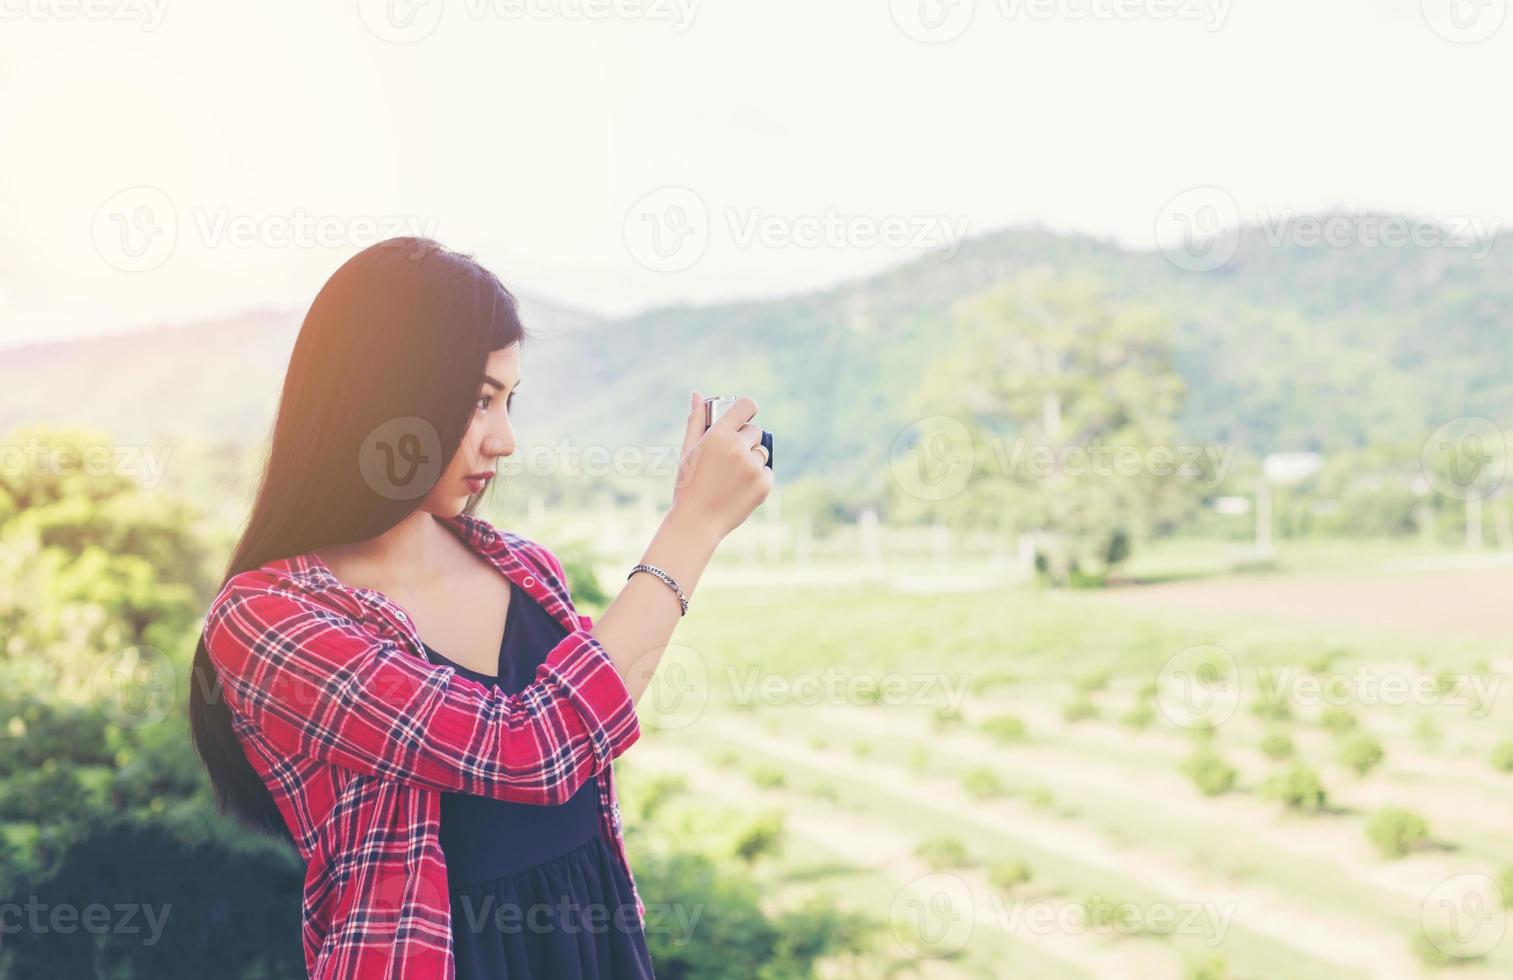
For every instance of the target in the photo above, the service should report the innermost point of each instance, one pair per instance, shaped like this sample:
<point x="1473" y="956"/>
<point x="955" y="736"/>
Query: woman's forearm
<point x="638" y="624"/>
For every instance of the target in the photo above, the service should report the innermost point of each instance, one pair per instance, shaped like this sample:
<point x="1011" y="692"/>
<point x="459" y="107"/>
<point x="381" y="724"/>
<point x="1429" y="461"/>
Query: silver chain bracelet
<point x="643" y="567"/>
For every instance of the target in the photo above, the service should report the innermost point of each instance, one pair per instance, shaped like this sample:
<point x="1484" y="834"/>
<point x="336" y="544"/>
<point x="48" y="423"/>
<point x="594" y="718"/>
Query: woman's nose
<point x="494" y="447"/>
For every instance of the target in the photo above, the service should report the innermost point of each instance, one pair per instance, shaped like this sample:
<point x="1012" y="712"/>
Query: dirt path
<point x="1469" y="603"/>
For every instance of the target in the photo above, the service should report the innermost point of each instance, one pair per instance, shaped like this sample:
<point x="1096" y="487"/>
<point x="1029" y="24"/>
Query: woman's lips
<point x="476" y="483"/>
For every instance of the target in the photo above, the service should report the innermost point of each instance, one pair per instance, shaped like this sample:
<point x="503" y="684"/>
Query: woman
<point x="407" y="693"/>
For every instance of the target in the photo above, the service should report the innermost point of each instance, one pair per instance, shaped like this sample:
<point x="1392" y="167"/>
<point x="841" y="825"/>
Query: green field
<point x="1132" y="871"/>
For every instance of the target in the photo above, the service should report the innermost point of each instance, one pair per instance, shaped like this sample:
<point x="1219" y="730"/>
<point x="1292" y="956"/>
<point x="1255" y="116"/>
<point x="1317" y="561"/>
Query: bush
<point x="1008" y="875"/>
<point x="1442" y="949"/>
<point x="210" y="907"/>
<point x="982" y="784"/>
<point x="732" y="932"/>
<point x="1108" y="913"/>
<point x="761" y="836"/>
<point x="1277" y="745"/>
<point x="1360" y="752"/>
<point x="1396" y="831"/>
<point x="767" y="776"/>
<point x="1202" y="729"/>
<point x="1209" y="773"/>
<point x="1337" y="720"/>
<point x="646" y="797"/>
<point x="1271" y="709"/>
<point x="1004" y="729"/>
<point x="946" y="718"/>
<point x="1079" y="710"/>
<point x="943" y="852"/>
<point x="1297" y="787"/>
<point x="1093" y="680"/>
<point x="1211" y="968"/>
<point x="1140" y="715"/>
<point x="1502" y="756"/>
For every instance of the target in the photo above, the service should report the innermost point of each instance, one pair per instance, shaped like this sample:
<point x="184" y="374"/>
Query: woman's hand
<point x="721" y="477"/>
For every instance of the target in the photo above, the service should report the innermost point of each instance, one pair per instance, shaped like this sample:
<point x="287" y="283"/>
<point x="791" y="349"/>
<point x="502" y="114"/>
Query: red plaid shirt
<point x="356" y="734"/>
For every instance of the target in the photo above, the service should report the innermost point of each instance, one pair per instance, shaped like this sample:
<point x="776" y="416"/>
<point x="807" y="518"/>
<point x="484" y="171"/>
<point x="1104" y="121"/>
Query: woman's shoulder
<point x="525" y="549"/>
<point x="301" y="582"/>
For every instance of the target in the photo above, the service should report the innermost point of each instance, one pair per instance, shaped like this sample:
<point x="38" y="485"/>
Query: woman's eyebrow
<point x="497" y="384"/>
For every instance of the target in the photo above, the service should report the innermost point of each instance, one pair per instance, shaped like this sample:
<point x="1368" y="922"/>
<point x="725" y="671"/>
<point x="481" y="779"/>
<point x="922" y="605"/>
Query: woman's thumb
<point x="695" y="427"/>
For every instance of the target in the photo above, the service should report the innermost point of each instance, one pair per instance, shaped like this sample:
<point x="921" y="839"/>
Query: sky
<point x="166" y="161"/>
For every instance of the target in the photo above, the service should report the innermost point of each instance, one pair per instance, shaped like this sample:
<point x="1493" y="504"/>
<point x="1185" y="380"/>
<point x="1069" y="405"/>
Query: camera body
<point x="717" y="405"/>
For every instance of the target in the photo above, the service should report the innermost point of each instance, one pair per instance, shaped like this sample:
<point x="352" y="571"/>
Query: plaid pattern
<point x="355" y="734"/>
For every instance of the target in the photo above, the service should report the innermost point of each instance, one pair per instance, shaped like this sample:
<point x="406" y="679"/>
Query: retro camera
<point x="717" y="405"/>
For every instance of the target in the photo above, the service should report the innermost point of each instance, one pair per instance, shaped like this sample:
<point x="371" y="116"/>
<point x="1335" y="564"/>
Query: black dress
<point x="536" y="891"/>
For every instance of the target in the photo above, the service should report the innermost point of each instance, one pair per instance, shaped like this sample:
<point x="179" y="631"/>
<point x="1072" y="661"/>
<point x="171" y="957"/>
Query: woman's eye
<point x="484" y="401"/>
<point x="510" y="401"/>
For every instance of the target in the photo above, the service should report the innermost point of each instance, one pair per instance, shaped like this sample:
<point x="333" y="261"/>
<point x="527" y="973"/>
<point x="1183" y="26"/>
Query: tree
<point x="1070" y="395"/>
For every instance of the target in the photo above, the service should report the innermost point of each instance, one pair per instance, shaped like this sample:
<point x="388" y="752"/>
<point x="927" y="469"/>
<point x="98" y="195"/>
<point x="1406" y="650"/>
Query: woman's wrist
<point x="692" y="530"/>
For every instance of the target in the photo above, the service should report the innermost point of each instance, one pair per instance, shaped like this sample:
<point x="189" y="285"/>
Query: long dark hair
<point x="402" y="331"/>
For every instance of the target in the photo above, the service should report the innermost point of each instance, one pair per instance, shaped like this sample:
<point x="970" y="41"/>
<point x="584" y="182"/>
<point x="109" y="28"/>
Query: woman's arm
<point x="720" y="482"/>
<point x="316" y="684"/>
<point x="637" y="625"/>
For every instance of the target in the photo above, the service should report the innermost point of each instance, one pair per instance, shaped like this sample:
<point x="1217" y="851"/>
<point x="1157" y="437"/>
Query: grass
<point x="980" y="685"/>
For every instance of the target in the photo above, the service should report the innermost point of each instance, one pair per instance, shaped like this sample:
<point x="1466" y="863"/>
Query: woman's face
<point x="489" y="436"/>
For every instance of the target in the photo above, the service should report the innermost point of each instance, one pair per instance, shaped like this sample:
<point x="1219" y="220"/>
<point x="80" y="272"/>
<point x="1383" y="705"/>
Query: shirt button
<point x="402" y="617"/>
<point x="528" y="581"/>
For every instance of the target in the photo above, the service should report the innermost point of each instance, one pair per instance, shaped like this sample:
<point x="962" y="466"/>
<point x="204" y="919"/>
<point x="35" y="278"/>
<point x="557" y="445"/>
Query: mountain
<point x="1283" y="347"/>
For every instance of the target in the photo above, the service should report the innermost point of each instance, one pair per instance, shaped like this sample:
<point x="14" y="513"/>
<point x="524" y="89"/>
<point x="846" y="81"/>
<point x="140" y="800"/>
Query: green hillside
<point x="1282" y="348"/>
